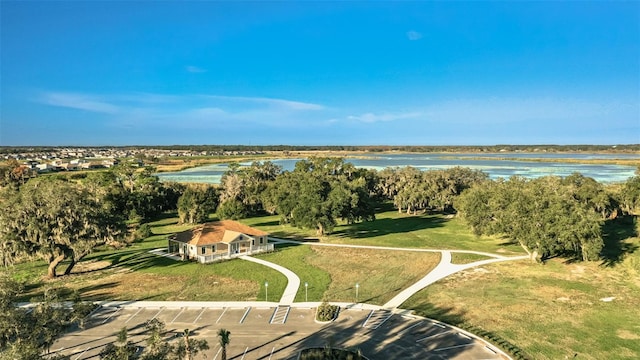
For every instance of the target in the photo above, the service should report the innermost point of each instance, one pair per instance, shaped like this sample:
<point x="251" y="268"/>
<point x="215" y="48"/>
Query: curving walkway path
<point x="284" y="241"/>
<point x="442" y="270"/>
<point x="293" y="281"/>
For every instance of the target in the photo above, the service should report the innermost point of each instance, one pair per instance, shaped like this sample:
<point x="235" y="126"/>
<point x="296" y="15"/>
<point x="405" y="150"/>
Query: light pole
<point x="357" y="287"/>
<point x="306" y="286"/>
<point x="266" y="291"/>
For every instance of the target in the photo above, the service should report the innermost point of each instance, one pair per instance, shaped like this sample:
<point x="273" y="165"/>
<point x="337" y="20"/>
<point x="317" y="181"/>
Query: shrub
<point x="143" y="231"/>
<point x="327" y="312"/>
<point x="330" y="354"/>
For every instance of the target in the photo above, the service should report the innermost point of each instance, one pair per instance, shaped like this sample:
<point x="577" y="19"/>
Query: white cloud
<point x="285" y="104"/>
<point x="413" y="35"/>
<point x="195" y="69"/>
<point x="195" y="111"/>
<point x="371" y="117"/>
<point x="78" y="101"/>
<point x="209" y="111"/>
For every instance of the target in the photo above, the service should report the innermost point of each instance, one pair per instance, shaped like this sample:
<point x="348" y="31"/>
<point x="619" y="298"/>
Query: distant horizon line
<point x="316" y="146"/>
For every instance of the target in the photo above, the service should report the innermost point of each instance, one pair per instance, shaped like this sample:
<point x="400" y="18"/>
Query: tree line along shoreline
<point x="59" y="219"/>
<point x="63" y="219"/>
<point x="605" y="148"/>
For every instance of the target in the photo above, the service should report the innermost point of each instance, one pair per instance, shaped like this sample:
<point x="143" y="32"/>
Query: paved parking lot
<point x="280" y="333"/>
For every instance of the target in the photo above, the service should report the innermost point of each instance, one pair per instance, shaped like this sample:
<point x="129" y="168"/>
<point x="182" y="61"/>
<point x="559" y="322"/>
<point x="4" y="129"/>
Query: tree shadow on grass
<point x="615" y="233"/>
<point x="446" y="314"/>
<point x="145" y="260"/>
<point x="164" y="216"/>
<point x="382" y="227"/>
<point x="267" y="223"/>
<point x="103" y="291"/>
<point x="115" y="257"/>
<point x="285" y="245"/>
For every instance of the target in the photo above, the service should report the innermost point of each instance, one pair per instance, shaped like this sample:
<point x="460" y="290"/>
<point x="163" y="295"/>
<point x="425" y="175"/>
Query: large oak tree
<point x="547" y="216"/>
<point x="319" y="191"/>
<point x="56" y="220"/>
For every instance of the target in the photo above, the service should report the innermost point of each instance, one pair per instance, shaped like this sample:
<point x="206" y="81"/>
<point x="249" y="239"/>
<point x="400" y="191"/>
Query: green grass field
<point x="549" y="311"/>
<point x="333" y="272"/>
<point x="465" y="258"/>
<point x="397" y="230"/>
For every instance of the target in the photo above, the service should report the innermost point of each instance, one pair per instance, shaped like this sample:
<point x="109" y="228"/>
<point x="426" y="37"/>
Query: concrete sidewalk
<point x="293" y="281"/>
<point x="444" y="269"/>
<point x="387" y="248"/>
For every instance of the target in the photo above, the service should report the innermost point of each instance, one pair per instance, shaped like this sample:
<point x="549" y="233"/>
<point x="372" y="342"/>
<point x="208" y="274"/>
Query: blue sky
<point x="319" y="73"/>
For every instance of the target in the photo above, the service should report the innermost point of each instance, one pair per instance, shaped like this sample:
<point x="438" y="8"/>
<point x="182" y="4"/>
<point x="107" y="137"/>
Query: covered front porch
<point x="232" y="254"/>
<point x="219" y="251"/>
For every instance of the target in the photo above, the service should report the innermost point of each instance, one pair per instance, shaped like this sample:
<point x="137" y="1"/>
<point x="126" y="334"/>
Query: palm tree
<point x="187" y="346"/>
<point x="223" y="335"/>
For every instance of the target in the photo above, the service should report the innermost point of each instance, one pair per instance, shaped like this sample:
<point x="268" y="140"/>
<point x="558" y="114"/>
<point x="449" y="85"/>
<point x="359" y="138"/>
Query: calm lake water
<point x="491" y="164"/>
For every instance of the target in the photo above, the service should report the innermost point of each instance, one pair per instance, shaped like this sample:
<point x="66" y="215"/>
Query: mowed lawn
<point x="132" y="273"/>
<point x="393" y="229"/>
<point x="332" y="273"/>
<point x="551" y="311"/>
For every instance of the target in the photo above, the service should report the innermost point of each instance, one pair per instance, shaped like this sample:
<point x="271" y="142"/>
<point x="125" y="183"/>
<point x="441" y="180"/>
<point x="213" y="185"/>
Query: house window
<point x="253" y="242"/>
<point x="204" y="250"/>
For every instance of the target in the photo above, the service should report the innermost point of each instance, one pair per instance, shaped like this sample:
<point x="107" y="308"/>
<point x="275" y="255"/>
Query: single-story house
<point x="218" y="240"/>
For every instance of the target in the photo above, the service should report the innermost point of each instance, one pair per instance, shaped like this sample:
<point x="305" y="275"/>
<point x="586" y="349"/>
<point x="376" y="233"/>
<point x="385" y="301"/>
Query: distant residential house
<point x="42" y="168"/>
<point x="109" y="162"/>
<point x="218" y="240"/>
<point x="68" y="166"/>
<point x="32" y="164"/>
<point x="93" y="165"/>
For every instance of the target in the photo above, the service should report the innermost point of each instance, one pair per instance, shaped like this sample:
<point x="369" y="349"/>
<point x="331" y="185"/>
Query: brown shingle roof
<point x="214" y="232"/>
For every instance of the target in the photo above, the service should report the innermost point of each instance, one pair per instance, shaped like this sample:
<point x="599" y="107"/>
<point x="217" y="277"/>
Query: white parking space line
<point x="432" y="336"/>
<point x="174" y="319"/>
<point x="271" y="354"/>
<point x="245" y="353"/>
<point x="79" y="356"/>
<point x="111" y="315"/>
<point x="93" y="312"/>
<point x="464" y="335"/>
<point x="245" y="314"/>
<point x="220" y="317"/>
<point x="409" y="328"/>
<point x="199" y="315"/>
<point x="490" y="349"/>
<point x="134" y="315"/>
<point x="379" y="323"/>
<point x="158" y="313"/>
<point x="218" y="353"/>
<point x="368" y="317"/>
<point x="453" y="347"/>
